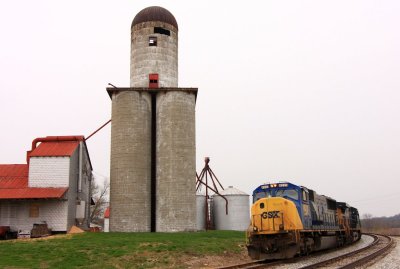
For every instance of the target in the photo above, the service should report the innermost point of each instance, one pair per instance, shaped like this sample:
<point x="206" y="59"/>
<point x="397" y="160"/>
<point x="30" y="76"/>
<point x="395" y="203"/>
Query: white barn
<point x="53" y="187"/>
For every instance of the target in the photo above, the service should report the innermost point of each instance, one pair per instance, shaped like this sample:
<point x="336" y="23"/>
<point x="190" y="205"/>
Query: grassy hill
<point x="125" y="250"/>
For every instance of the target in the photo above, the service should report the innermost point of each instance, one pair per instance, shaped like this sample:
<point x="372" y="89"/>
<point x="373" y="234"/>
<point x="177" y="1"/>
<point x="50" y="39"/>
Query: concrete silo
<point x="153" y="134"/>
<point x="238" y="217"/>
<point x="130" y="175"/>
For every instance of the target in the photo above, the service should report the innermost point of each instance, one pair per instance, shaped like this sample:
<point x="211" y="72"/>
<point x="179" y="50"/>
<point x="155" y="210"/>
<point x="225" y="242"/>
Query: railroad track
<point x="252" y="264"/>
<point x="379" y="246"/>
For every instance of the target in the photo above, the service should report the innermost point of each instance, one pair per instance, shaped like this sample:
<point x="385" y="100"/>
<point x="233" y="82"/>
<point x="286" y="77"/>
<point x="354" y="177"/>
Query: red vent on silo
<point x="153" y="81"/>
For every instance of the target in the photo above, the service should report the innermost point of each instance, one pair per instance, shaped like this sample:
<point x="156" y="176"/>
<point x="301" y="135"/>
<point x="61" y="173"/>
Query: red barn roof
<point x="13" y="176"/>
<point x="32" y="193"/>
<point x="14" y="184"/>
<point x="56" y="146"/>
<point x="55" y="149"/>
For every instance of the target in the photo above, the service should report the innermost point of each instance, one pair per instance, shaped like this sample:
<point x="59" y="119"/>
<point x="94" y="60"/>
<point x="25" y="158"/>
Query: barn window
<point x="34" y="211"/>
<point x="152" y="41"/>
<point x="160" y="30"/>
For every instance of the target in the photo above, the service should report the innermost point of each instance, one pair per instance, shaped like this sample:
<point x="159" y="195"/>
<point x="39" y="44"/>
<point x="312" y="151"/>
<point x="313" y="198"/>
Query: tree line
<point x="386" y="225"/>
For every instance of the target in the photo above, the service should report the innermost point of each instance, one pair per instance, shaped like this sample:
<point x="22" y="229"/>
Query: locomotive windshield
<point x="291" y="193"/>
<point x="263" y="194"/>
<point x="285" y="192"/>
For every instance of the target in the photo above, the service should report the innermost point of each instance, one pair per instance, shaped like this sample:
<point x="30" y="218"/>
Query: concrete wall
<point x="176" y="162"/>
<point x="161" y="59"/>
<point x="49" y="172"/>
<point x="130" y="199"/>
<point x="16" y="214"/>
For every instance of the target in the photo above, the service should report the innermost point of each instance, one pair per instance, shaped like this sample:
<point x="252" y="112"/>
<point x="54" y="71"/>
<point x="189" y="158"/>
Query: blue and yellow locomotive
<point x="287" y="220"/>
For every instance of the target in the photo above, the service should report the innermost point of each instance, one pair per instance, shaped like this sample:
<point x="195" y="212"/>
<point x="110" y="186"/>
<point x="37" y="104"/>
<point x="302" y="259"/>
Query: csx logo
<point x="270" y="215"/>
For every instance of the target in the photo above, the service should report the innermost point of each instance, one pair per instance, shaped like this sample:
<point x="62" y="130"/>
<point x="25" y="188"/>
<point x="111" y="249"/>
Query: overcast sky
<point x="300" y="91"/>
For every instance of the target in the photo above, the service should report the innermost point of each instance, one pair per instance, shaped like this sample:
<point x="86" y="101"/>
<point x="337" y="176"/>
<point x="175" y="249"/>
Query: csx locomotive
<point x="289" y="220"/>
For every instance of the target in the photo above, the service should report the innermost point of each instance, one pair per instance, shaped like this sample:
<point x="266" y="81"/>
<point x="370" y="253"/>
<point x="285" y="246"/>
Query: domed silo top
<point x="155" y="13"/>
<point x="232" y="191"/>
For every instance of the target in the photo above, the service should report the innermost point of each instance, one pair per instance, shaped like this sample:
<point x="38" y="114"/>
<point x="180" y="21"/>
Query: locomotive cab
<point x="276" y="215"/>
<point x="297" y="195"/>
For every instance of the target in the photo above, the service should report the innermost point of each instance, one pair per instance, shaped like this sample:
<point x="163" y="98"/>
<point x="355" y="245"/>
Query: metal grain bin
<point x="200" y="211"/>
<point x="238" y="217"/>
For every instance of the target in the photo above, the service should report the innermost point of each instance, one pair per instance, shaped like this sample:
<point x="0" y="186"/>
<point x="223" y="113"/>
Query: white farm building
<point x="53" y="187"/>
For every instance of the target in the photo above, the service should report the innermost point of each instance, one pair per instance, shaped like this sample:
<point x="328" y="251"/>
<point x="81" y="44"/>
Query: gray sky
<point x="300" y="91"/>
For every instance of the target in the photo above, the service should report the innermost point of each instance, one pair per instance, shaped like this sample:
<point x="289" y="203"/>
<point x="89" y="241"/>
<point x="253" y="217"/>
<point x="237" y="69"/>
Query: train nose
<point x="275" y="214"/>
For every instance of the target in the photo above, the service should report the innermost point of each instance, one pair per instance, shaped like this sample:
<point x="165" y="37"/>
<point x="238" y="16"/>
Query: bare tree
<point x="100" y="197"/>
<point x="367" y="216"/>
<point x="366" y="221"/>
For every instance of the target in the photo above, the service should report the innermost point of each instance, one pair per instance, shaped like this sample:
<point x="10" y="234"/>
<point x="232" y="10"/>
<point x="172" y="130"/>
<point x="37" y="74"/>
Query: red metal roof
<point x="107" y="213"/>
<point x="13" y="176"/>
<point x="55" y="149"/>
<point x="15" y="170"/>
<point x="32" y="193"/>
<point x="14" y="184"/>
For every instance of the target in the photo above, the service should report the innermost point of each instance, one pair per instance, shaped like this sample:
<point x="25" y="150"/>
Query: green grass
<point x="118" y="250"/>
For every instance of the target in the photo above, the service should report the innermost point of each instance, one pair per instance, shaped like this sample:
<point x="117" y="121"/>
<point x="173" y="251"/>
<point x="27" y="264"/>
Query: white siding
<point x="49" y="172"/>
<point x="106" y="225"/>
<point x="16" y="215"/>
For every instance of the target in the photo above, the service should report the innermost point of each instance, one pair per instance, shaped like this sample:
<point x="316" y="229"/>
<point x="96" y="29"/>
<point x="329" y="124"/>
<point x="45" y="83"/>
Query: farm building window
<point x="152" y="41"/>
<point x="34" y="211"/>
<point x="160" y="30"/>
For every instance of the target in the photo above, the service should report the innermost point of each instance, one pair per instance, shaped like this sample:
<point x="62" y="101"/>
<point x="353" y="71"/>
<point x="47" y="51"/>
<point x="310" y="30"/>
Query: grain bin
<point x="200" y="211"/>
<point x="238" y="217"/>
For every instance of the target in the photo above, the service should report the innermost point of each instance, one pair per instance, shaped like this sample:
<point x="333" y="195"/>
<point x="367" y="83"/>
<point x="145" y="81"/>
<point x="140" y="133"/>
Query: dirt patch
<point x="75" y="230"/>
<point x="154" y="244"/>
<point x="165" y="260"/>
<point x="214" y="261"/>
<point x="57" y="236"/>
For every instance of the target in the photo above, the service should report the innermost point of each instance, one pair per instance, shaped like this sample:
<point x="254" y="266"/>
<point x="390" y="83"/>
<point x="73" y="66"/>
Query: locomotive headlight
<point x="255" y="228"/>
<point x="281" y="227"/>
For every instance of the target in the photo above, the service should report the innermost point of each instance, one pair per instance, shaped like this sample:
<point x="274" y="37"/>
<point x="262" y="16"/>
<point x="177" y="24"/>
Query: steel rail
<point x="371" y="256"/>
<point x="338" y="258"/>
